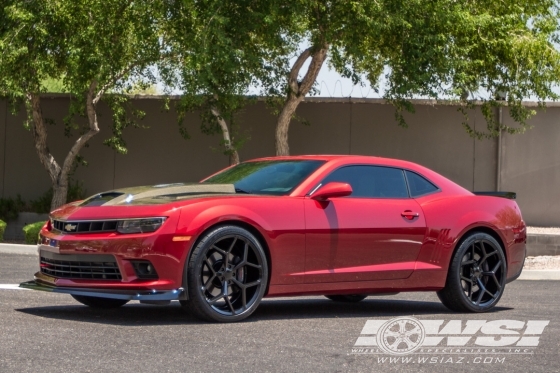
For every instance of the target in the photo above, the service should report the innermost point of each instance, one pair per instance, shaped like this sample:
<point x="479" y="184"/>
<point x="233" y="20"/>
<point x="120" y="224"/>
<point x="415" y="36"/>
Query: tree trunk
<point x="283" y="124"/>
<point x="58" y="174"/>
<point x="234" y="155"/>
<point x="60" y="192"/>
<point x="296" y="93"/>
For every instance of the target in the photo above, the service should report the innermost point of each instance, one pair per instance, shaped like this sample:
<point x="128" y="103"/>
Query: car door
<point x="373" y="234"/>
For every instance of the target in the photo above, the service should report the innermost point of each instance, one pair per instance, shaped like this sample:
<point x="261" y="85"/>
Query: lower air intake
<point x="92" y="266"/>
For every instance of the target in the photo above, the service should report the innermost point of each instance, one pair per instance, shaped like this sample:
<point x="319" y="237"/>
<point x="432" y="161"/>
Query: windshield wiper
<point x="239" y="190"/>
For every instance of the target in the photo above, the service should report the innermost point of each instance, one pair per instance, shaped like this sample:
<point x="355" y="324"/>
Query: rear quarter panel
<point x="449" y="218"/>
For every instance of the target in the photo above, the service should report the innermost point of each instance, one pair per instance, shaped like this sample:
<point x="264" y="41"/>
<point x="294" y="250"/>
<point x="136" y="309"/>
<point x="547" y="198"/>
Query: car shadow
<point x="135" y="314"/>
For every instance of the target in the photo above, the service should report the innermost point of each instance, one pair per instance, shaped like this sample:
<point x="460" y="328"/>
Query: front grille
<point x="94" y="226"/>
<point x="96" y="267"/>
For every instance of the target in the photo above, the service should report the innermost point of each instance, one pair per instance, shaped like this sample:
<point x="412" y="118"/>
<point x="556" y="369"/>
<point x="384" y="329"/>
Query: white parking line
<point x="11" y="287"/>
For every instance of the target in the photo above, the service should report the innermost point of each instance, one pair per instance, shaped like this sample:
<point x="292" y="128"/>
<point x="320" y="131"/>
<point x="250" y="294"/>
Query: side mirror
<point x="331" y="190"/>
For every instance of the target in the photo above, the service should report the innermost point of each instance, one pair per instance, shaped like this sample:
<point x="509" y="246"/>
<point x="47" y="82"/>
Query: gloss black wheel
<point x="477" y="275"/>
<point x="96" y="302"/>
<point x="349" y="298"/>
<point x="227" y="275"/>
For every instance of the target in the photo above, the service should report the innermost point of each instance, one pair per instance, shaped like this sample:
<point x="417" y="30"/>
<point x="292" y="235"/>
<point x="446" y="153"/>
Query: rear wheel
<point x="96" y="302"/>
<point x="350" y="298"/>
<point x="226" y="275"/>
<point x="477" y="275"/>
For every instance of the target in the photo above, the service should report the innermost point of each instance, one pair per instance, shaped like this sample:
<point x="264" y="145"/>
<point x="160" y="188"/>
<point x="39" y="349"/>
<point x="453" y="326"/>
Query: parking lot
<point x="43" y="332"/>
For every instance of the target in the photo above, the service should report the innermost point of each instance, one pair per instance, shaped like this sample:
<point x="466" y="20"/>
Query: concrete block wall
<point x="529" y="162"/>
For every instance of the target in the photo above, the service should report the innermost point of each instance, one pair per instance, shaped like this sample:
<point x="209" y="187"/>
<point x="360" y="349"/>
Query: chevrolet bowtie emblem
<point x="70" y="227"/>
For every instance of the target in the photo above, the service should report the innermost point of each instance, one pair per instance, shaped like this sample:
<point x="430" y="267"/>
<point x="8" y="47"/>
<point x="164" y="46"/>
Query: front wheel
<point x="96" y="302"/>
<point x="350" y="298"/>
<point x="226" y="275"/>
<point x="477" y="275"/>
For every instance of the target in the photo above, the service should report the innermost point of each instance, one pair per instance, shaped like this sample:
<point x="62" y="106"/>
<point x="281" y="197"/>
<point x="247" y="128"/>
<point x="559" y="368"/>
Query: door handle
<point x="409" y="214"/>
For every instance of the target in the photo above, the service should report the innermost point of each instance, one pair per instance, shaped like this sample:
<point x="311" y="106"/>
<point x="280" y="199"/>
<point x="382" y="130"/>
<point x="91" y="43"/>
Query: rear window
<point x="418" y="185"/>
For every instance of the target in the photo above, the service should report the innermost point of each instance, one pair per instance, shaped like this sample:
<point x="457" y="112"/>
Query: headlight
<point x="139" y="225"/>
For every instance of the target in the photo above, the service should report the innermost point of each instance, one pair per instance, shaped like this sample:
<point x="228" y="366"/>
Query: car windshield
<point x="267" y="177"/>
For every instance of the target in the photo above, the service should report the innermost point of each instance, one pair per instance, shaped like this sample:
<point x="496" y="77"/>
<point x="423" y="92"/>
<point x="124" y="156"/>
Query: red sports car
<point x="341" y="226"/>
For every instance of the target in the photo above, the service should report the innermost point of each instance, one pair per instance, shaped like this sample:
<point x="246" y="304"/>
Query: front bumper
<point x="141" y="295"/>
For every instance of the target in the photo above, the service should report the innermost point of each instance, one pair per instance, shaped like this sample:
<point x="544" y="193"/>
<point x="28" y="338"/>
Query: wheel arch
<point x="482" y="229"/>
<point x="241" y="224"/>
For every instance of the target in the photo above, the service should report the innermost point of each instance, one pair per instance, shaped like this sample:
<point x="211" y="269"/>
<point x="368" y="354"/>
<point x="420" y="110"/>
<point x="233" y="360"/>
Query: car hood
<point x="140" y="201"/>
<point x="156" y="194"/>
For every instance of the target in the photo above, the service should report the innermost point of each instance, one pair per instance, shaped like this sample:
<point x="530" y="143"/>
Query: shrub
<point x="31" y="232"/>
<point x="11" y="207"/>
<point x="2" y="229"/>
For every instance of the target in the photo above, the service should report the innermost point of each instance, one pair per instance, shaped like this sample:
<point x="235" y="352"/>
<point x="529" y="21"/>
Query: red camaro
<point x="341" y="226"/>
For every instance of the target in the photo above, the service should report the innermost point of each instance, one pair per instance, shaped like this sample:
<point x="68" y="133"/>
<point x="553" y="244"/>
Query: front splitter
<point x="141" y="295"/>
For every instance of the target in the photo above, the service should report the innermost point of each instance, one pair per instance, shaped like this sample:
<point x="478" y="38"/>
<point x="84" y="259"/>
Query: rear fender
<point x="449" y="219"/>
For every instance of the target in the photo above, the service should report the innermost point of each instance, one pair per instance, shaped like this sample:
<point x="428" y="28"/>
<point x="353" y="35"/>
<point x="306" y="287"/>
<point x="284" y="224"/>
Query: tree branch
<point x="40" y="137"/>
<point x="317" y="61"/>
<point x="294" y="72"/>
<point x="82" y="140"/>
<point x="111" y="82"/>
<point x="226" y="135"/>
<point x="223" y="126"/>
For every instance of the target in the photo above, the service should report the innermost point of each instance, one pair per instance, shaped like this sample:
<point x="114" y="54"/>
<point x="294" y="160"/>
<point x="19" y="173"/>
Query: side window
<point x="418" y="185"/>
<point x="371" y="181"/>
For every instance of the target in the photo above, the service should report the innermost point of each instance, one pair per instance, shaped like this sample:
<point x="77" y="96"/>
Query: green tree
<point x="94" y="47"/>
<point x="457" y="49"/>
<point x="221" y="49"/>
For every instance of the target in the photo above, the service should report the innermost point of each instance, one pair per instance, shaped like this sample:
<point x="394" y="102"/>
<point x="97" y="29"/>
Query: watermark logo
<point x="401" y="336"/>
<point x="407" y="335"/>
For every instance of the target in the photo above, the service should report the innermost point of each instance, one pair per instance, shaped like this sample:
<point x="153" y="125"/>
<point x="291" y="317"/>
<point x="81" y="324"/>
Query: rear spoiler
<point x="508" y="195"/>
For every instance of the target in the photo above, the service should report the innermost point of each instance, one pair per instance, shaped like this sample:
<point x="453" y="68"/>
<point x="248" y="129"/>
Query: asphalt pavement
<point x="45" y="332"/>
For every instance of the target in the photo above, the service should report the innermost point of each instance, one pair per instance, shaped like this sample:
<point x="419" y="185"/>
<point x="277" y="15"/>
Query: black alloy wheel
<point x="349" y="298"/>
<point x="477" y="275"/>
<point x="226" y="275"/>
<point x="96" y="302"/>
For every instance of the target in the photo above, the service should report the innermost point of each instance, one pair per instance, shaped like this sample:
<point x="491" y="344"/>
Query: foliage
<point x="31" y="232"/>
<point x="95" y="48"/>
<point x="52" y="85"/>
<point x="463" y="50"/>
<point x="42" y="205"/>
<point x="222" y="48"/>
<point x="11" y="207"/>
<point x="2" y="230"/>
<point x="466" y="51"/>
<point x="140" y="88"/>
<point x="115" y="49"/>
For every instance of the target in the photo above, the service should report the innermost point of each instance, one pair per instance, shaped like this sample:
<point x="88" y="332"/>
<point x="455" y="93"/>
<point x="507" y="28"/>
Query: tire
<point x="350" y="298"/>
<point x="477" y="275"/>
<point x="96" y="302"/>
<point x="226" y="275"/>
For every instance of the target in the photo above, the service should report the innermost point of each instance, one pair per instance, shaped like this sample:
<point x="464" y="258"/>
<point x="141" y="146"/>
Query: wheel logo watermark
<point x="410" y="340"/>
<point x="401" y="336"/>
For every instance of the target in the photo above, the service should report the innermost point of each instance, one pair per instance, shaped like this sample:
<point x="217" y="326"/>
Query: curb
<point x="540" y="274"/>
<point x="9" y="248"/>
<point x="539" y="244"/>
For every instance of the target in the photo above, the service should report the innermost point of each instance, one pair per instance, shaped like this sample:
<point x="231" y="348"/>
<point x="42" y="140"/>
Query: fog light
<point x="144" y="269"/>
